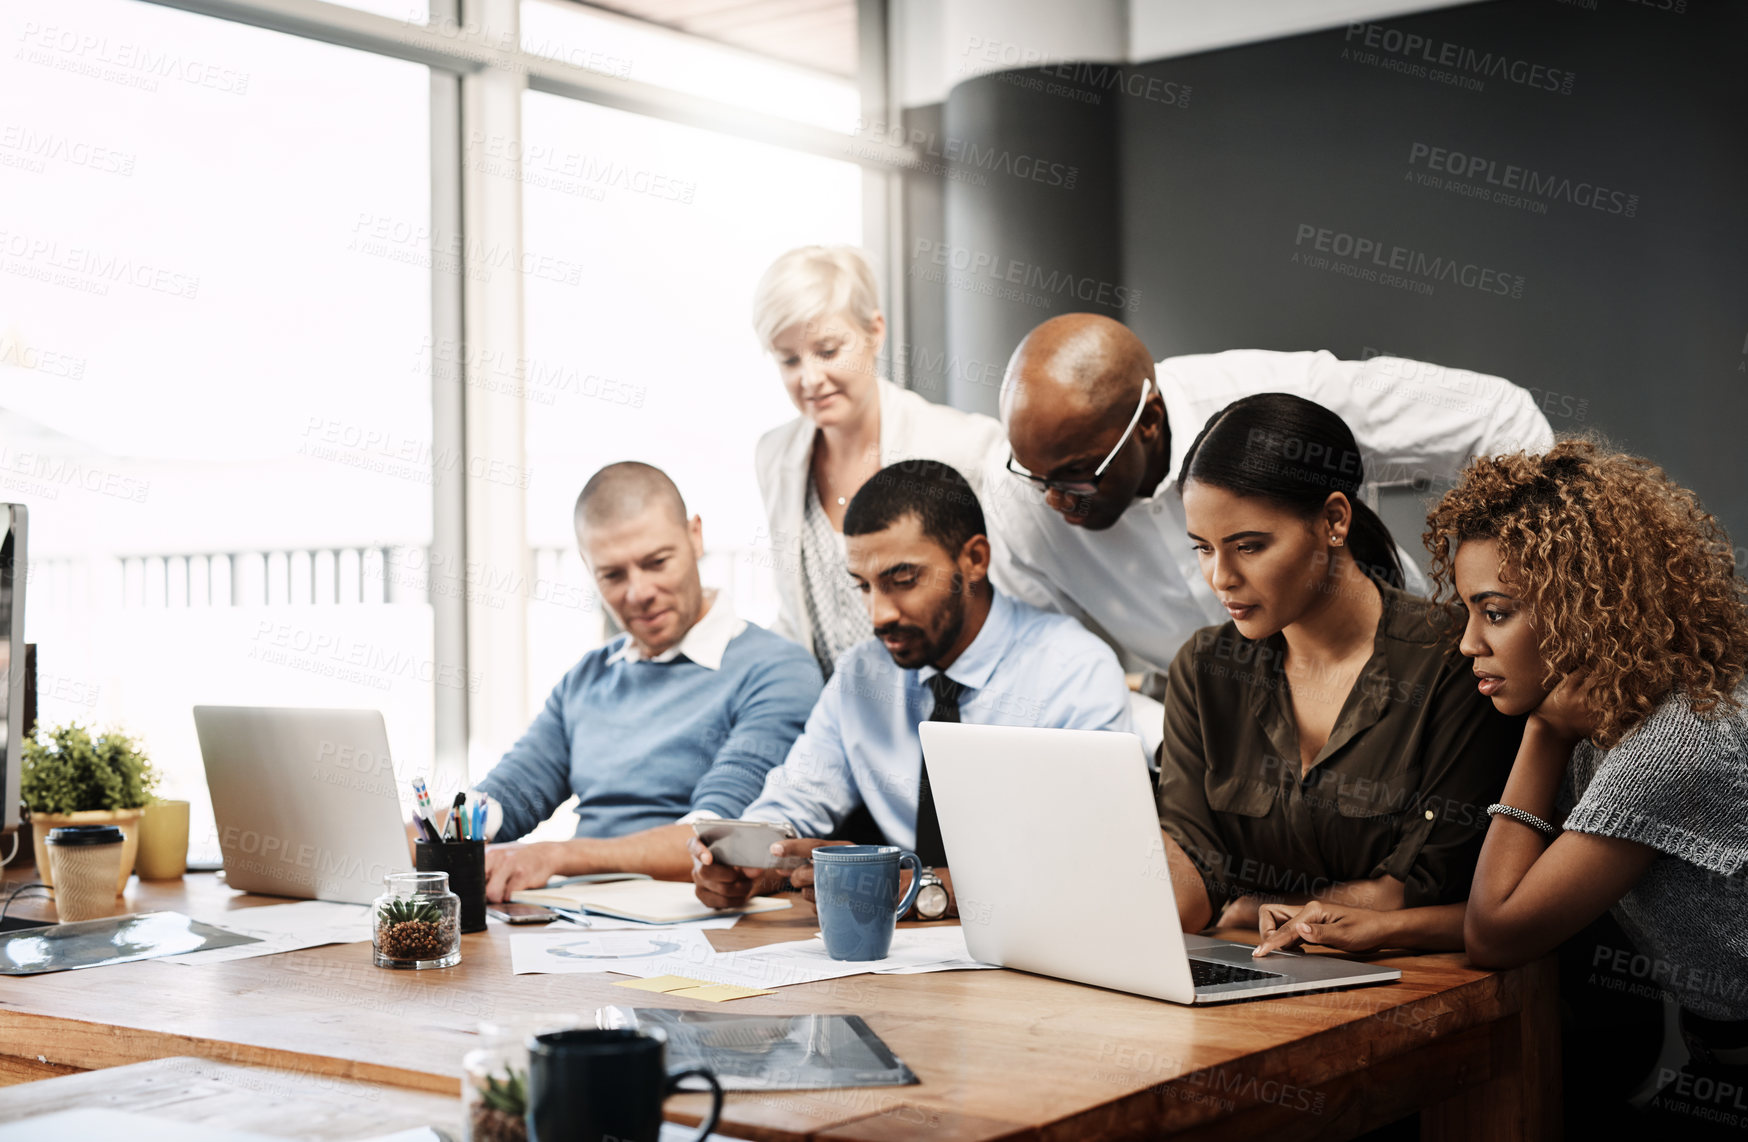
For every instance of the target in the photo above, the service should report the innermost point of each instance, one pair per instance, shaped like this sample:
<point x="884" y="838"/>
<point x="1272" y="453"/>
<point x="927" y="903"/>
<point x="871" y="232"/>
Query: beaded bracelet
<point x="1521" y="818"/>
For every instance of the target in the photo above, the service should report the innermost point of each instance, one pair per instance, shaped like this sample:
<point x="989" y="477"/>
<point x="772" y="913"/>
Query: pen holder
<point x="465" y="862"/>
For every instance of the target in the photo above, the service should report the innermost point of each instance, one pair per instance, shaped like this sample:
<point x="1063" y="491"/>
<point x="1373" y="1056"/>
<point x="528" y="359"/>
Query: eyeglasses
<point x="1089" y="485"/>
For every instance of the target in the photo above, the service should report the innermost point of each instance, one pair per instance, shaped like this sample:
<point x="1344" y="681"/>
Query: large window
<point x="223" y="316"/>
<point x="215" y="300"/>
<point x="649" y="354"/>
<point x="632" y="49"/>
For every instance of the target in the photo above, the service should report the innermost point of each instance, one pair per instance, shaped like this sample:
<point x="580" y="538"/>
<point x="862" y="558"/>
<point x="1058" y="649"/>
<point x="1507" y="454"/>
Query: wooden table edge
<point x="162" y="1044"/>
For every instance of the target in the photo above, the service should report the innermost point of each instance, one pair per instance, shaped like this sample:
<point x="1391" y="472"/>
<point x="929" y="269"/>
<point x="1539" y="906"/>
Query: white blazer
<point x="911" y="428"/>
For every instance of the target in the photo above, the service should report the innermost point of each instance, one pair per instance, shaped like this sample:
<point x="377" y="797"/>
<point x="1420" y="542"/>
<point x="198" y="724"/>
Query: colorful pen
<point x="423" y="814"/>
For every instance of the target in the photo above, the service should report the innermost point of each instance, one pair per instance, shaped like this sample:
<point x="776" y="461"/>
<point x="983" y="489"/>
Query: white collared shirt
<point x="1138" y="583"/>
<point x="704" y="644"/>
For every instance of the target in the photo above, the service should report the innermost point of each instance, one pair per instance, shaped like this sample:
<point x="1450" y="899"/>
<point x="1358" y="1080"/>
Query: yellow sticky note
<point x="663" y="983"/>
<point x="719" y="992"/>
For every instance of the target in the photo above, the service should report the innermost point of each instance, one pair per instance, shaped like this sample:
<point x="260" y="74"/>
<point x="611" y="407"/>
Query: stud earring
<point x="1336" y="541"/>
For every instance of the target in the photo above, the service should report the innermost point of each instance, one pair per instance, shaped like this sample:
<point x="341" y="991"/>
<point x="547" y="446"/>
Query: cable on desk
<point x="7" y="859"/>
<point x="20" y="891"/>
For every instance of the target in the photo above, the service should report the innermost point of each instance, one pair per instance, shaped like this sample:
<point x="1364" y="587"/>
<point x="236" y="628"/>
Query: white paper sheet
<point x="571" y="950"/>
<point x="745" y="968"/>
<point x="943" y="965"/>
<point x="281" y="928"/>
<point x="913" y="951"/>
<point x="805" y="961"/>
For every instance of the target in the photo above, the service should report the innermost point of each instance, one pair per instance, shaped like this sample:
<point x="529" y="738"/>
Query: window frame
<point x="478" y="75"/>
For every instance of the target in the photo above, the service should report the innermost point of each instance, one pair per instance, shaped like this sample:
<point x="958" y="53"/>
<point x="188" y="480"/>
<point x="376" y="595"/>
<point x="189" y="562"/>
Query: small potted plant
<point x="498" y="1109"/>
<point x="70" y="778"/>
<point x="494" y="1093"/>
<point x="417" y="922"/>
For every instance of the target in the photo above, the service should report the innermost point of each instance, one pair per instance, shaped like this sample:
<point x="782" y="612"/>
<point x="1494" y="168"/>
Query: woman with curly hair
<point x="1604" y="603"/>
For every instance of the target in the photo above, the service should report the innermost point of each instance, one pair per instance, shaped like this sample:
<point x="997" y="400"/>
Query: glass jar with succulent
<point x="497" y="1103"/>
<point x="416" y="923"/>
<point x="494" y="1094"/>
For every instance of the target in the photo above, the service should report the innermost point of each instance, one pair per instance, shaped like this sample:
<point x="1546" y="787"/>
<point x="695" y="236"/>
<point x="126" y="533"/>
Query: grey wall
<point x="921" y="364"/>
<point x="1207" y="183"/>
<point x="1029" y="223"/>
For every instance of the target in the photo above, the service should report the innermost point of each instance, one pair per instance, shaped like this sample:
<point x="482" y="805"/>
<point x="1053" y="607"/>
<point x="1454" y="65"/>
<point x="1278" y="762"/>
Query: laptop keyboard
<point x="1213" y="973"/>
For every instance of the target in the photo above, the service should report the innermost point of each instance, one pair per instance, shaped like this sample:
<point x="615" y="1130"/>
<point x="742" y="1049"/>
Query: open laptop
<point x="1059" y="869"/>
<point x="305" y="800"/>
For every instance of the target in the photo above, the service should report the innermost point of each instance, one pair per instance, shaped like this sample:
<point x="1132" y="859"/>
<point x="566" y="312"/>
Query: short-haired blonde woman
<point x="817" y="312"/>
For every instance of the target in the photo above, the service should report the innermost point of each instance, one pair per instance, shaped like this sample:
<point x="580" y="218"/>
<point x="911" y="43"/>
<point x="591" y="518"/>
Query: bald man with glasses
<point x="1085" y="488"/>
<point x="1099" y="430"/>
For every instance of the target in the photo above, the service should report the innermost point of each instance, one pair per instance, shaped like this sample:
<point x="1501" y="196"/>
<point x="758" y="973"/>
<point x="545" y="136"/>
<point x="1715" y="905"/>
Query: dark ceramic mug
<point x="587" y="1086"/>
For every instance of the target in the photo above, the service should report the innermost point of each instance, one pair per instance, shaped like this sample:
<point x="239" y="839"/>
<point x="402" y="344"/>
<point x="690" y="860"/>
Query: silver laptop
<point x="305" y="800"/>
<point x="1059" y="869"/>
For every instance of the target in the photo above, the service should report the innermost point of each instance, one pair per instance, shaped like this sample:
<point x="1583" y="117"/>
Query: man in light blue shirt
<point x="946" y="646"/>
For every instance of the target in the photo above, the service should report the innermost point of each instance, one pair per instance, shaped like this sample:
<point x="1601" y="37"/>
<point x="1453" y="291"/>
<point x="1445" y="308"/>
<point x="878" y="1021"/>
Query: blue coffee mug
<point x="854" y="887"/>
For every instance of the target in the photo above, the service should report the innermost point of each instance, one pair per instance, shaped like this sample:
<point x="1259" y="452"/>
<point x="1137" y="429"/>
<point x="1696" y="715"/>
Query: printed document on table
<point x="913" y="951"/>
<point x="806" y="961"/>
<point x="570" y="950"/>
<point x="749" y="968"/>
<point x="281" y="928"/>
<point x="918" y="950"/>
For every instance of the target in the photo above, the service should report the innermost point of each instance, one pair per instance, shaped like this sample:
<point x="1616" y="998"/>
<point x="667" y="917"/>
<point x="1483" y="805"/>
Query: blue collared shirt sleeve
<point x="770" y="713"/>
<point x="814" y="789"/>
<point x="1089" y="693"/>
<point x="534" y="777"/>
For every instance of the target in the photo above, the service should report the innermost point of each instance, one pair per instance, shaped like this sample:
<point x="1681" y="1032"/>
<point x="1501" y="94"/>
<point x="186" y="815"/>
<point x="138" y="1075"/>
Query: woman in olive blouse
<point x="1327" y="761"/>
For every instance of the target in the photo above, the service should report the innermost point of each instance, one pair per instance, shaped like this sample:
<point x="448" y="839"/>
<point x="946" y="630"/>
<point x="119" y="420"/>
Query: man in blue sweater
<point x="681" y="716"/>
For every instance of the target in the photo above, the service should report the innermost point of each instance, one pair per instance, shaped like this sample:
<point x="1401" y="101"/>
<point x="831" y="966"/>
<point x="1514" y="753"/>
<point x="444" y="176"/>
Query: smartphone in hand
<point x="746" y="844"/>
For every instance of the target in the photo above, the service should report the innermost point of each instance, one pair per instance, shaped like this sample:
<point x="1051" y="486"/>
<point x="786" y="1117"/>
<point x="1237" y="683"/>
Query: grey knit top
<point x="1678" y="783"/>
<point x="834" y="606"/>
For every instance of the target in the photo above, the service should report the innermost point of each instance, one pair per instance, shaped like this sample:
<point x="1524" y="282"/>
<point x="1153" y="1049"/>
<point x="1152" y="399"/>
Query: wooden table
<point x="289" y="1104"/>
<point x="1001" y="1054"/>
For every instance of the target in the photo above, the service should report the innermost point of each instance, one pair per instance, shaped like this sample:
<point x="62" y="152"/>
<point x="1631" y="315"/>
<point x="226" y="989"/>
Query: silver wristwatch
<point x="931" y="897"/>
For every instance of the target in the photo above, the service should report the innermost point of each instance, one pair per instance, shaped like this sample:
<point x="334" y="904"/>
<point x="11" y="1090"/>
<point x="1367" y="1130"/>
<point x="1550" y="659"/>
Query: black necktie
<point x="929" y="848"/>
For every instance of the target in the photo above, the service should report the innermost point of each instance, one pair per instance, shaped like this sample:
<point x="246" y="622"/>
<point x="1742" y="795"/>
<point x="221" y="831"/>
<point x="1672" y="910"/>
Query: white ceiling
<point x="1162" y="28"/>
<point x="944" y="41"/>
<point x="815" y="33"/>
